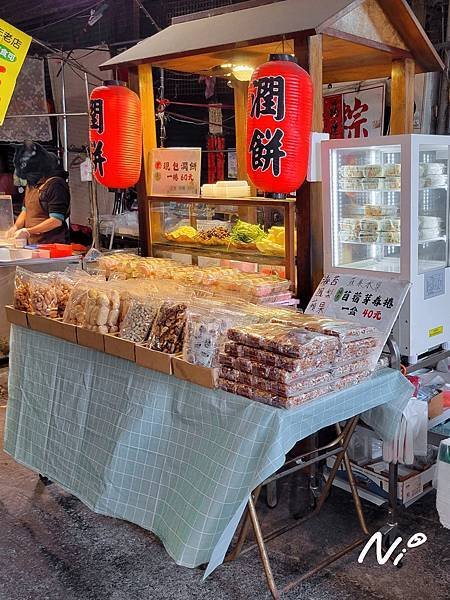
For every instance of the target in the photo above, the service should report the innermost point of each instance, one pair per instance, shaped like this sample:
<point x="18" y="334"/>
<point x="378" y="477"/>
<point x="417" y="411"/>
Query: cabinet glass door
<point x="433" y="207"/>
<point x="366" y="190"/>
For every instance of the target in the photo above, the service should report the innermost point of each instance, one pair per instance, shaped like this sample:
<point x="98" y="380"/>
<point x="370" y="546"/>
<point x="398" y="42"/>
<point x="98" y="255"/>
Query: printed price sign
<point x="14" y="46"/>
<point x="175" y="171"/>
<point x="365" y="300"/>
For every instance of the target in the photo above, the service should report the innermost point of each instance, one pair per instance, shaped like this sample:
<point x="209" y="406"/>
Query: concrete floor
<point x="54" y="548"/>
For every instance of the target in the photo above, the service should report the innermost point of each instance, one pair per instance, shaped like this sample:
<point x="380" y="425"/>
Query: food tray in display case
<point x="386" y="212"/>
<point x="246" y="230"/>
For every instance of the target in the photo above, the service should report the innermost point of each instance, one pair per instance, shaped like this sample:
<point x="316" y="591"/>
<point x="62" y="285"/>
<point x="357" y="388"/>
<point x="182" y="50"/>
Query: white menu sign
<point x="365" y="300"/>
<point x="175" y="171"/>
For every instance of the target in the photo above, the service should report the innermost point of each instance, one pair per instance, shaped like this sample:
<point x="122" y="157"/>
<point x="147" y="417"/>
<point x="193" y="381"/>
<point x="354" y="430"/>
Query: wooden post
<point x="141" y="82"/>
<point x="240" y="123"/>
<point x="309" y="197"/>
<point x="402" y="96"/>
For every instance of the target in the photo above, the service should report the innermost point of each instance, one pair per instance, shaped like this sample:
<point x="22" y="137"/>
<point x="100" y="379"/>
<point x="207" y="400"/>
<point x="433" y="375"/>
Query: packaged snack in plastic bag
<point x="22" y="300"/>
<point x="356" y="349"/>
<point x="139" y="318"/>
<point x="349" y="368"/>
<point x="166" y="334"/>
<point x="283" y="339"/>
<point x="344" y="330"/>
<point x="267" y="397"/>
<point x="207" y="323"/>
<point x="102" y="309"/>
<point x="349" y="380"/>
<point x="277" y="388"/>
<point x="306" y="364"/>
<point x="43" y="297"/>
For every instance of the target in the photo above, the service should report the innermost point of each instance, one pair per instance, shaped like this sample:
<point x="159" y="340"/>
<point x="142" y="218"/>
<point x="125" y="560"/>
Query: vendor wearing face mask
<point x="47" y="197"/>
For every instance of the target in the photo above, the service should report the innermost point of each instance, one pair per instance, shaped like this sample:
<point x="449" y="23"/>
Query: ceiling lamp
<point x="242" y="72"/>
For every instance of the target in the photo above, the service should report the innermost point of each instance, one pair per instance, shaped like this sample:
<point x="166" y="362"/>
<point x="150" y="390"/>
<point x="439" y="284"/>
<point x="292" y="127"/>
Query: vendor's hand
<point x="11" y="232"/>
<point x="22" y="234"/>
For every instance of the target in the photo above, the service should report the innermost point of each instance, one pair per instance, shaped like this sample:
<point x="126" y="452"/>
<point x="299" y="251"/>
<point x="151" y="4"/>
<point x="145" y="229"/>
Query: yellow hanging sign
<point x="14" y="46"/>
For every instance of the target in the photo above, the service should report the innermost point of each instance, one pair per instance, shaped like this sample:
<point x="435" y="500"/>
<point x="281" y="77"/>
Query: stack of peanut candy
<point x="287" y="363"/>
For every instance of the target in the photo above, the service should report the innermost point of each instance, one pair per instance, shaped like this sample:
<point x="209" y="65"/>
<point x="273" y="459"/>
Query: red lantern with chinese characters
<point x="279" y="118"/>
<point x="115" y="135"/>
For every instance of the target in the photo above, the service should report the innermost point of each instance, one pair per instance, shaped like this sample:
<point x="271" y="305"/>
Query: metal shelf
<point x="358" y="242"/>
<point x="354" y="191"/>
<point x="220" y="252"/>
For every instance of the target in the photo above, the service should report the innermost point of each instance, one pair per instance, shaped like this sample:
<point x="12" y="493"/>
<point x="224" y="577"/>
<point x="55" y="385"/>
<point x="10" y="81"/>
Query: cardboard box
<point x="204" y="376"/>
<point x="16" y="317"/>
<point x="410" y="485"/>
<point x="117" y="347"/>
<point x="152" y="359"/>
<point x="53" y="327"/>
<point x="436" y="406"/>
<point x="91" y="339"/>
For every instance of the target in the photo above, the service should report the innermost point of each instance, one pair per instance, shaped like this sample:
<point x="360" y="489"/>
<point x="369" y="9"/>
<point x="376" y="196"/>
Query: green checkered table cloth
<point x="175" y="458"/>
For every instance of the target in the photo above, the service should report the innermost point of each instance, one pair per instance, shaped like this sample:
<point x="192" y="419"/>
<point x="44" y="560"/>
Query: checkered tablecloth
<point x="175" y="458"/>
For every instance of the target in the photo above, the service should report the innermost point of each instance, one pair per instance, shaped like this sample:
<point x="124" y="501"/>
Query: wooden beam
<point x="309" y="53"/>
<point x="240" y="124"/>
<point x="141" y="81"/>
<point x="402" y="96"/>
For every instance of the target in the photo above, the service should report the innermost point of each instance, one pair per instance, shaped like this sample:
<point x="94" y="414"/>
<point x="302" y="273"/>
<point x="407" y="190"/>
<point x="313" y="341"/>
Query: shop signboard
<point x="175" y="171"/>
<point x="364" y="300"/>
<point x="14" y="46"/>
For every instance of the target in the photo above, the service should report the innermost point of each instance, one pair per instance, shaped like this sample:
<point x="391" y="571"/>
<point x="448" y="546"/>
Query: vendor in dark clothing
<point x="47" y="197"/>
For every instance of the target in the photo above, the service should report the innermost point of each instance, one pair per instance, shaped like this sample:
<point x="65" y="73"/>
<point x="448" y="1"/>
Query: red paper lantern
<point x="115" y="135"/>
<point x="279" y="115"/>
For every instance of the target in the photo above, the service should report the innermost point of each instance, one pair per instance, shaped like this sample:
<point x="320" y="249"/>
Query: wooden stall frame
<point x="340" y="41"/>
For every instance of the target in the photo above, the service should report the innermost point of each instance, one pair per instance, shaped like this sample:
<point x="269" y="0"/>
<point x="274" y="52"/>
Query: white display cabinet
<point x="386" y="212"/>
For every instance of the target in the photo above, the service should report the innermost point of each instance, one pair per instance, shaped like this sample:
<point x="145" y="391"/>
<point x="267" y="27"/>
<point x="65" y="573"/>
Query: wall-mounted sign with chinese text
<point x="14" y="46"/>
<point x="279" y="114"/>
<point x="175" y="171"/>
<point x="356" y="114"/>
<point x="365" y="300"/>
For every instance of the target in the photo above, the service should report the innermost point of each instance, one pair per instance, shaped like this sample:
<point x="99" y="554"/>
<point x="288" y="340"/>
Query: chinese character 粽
<point x="96" y="114"/>
<point x="97" y="156"/>
<point x="266" y="150"/>
<point x="354" y="119"/>
<point x="268" y="98"/>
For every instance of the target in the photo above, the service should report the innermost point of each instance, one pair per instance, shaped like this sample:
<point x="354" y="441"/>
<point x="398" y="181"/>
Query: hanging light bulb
<point x="242" y="72"/>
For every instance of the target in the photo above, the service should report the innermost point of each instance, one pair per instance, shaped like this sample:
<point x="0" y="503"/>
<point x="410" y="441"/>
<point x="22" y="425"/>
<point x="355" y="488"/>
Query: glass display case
<point x="386" y="208"/>
<point x="204" y="231"/>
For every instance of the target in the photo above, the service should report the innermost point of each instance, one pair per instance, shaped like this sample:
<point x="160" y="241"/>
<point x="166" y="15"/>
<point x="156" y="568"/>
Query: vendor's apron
<point x="35" y="214"/>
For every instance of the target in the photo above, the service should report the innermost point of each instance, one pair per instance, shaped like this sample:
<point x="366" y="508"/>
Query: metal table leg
<point x="261" y="541"/>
